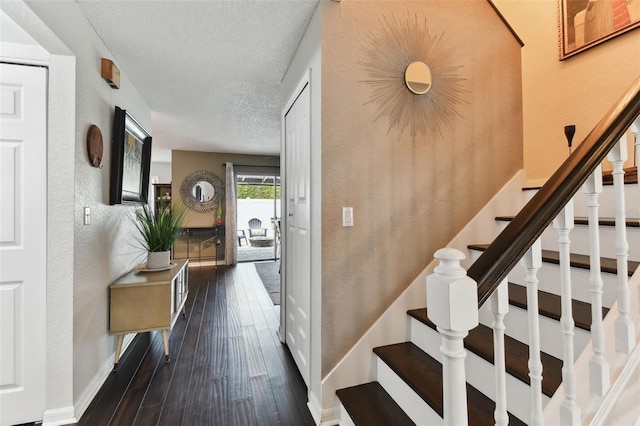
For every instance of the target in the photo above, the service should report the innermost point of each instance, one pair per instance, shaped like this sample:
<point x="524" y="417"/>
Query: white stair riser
<point x="549" y="277"/>
<point x="606" y="200"/>
<point x="479" y="372"/>
<point x="414" y="406"/>
<point x="517" y="326"/>
<point x="345" y="419"/>
<point x="579" y="237"/>
<point x="549" y="281"/>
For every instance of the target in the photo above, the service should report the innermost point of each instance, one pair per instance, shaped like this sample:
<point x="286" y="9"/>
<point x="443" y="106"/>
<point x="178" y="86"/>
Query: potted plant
<point x="158" y="232"/>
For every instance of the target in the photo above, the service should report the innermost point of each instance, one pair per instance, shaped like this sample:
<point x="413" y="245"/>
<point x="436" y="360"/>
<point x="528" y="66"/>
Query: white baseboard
<point x="98" y="380"/>
<point x="59" y="416"/>
<point x="315" y="409"/>
<point x="326" y="417"/>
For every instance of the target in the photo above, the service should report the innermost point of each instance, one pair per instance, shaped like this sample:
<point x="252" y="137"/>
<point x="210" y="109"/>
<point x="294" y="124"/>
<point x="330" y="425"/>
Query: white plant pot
<point x="158" y="259"/>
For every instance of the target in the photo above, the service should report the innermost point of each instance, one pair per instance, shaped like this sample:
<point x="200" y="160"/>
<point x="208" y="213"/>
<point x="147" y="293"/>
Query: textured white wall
<point x="162" y="171"/>
<point x="578" y="90"/>
<point x="104" y="250"/>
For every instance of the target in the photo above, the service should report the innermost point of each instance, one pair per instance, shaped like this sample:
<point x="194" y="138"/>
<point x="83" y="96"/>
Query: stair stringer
<point x="591" y="405"/>
<point x="358" y="365"/>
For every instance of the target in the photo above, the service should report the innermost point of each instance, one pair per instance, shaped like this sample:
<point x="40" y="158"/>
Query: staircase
<point x="411" y="372"/>
<point x="511" y="369"/>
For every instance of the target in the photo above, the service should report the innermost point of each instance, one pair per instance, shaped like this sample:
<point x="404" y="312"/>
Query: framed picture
<point x="130" y="160"/>
<point x="587" y="23"/>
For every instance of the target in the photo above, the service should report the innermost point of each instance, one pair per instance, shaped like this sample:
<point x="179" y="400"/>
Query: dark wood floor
<point x="227" y="365"/>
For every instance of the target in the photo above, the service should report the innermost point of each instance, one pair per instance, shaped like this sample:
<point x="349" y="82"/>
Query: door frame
<point x="237" y="173"/>
<point x="284" y="208"/>
<point x="60" y="404"/>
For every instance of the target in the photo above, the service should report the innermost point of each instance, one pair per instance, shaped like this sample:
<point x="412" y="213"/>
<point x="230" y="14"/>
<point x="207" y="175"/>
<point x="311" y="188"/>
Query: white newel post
<point x="532" y="261"/>
<point x="499" y="306"/>
<point x="452" y="304"/>
<point x="569" y="411"/>
<point x="598" y="365"/>
<point x="625" y="329"/>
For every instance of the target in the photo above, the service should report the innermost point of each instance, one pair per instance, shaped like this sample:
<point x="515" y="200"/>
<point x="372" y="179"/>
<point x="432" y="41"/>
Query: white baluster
<point x="569" y="411"/>
<point x="532" y="261"/>
<point x="598" y="365"/>
<point x="452" y="304"/>
<point x="625" y="329"/>
<point x="499" y="306"/>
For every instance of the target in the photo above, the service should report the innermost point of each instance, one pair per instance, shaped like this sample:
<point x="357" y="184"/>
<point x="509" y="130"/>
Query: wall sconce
<point x="110" y="72"/>
<point x="569" y="131"/>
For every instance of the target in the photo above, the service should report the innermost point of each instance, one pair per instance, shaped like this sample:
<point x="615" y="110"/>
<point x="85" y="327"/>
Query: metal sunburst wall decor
<point x="422" y="107"/>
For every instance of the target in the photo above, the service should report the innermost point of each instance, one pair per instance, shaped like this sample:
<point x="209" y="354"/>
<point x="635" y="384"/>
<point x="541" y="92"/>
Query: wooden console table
<point x="146" y="301"/>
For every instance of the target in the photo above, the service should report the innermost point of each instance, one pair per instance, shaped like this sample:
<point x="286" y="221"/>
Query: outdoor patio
<point x="247" y="253"/>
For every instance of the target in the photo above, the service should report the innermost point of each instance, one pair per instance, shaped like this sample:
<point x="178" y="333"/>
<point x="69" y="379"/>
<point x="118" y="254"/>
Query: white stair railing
<point x="598" y="365"/>
<point x="451" y="296"/>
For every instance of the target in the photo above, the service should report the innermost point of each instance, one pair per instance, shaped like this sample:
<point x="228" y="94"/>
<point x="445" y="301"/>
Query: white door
<point x="298" y="245"/>
<point x="23" y="215"/>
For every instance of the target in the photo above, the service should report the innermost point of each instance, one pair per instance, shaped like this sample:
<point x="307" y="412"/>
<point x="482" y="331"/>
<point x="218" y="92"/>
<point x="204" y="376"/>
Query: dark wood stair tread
<point x="630" y="176"/>
<point x="603" y="221"/>
<point x="581" y="261"/>
<point x="550" y="305"/>
<point x="480" y="342"/>
<point x="423" y="374"/>
<point x="370" y="404"/>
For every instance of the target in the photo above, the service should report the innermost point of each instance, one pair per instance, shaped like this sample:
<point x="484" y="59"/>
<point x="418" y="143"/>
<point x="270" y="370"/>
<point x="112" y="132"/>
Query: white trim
<point x="302" y="83"/>
<point x="618" y="388"/>
<point x="59" y="416"/>
<point x="326" y="417"/>
<point x="98" y="380"/>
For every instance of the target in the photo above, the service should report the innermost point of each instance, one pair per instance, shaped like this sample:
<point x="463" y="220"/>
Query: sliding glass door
<point x="258" y="216"/>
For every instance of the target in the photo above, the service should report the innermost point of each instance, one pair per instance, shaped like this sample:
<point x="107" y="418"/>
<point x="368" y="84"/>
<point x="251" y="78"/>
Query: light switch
<point x="347" y="216"/>
<point x="87" y="215"/>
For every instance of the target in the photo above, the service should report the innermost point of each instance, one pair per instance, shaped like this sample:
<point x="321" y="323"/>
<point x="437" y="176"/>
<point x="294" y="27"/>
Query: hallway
<point x="227" y="365"/>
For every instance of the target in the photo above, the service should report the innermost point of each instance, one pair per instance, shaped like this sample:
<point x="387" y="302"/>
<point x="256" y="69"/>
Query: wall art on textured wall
<point x="587" y="23"/>
<point x="397" y="44"/>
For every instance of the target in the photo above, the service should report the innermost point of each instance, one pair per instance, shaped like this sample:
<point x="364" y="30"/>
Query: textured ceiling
<point x="209" y="70"/>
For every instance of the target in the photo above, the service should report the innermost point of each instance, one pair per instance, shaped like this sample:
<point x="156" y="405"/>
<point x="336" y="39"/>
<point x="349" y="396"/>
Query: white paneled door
<point x="298" y="245"/>
<point x="23" y="218"/>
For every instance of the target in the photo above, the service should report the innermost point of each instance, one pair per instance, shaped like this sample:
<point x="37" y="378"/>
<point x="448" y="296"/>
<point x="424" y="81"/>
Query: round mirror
<point x="417" y="77"/>
<point x="202" y="191"/>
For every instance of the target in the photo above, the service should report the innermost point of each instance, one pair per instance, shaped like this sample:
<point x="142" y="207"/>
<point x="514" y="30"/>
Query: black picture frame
<point x="130" y="160"/>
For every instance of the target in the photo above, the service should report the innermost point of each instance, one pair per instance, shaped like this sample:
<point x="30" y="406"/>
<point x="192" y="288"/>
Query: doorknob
<point x="290" y="215"/>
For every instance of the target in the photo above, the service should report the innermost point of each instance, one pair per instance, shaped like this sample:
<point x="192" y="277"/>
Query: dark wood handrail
<point x="513" y="242"/>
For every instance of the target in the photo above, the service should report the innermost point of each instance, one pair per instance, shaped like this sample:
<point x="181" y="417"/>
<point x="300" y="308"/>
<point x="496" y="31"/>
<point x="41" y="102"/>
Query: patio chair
<point x="242" y="236"/>
<point x="256" y="229"/>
